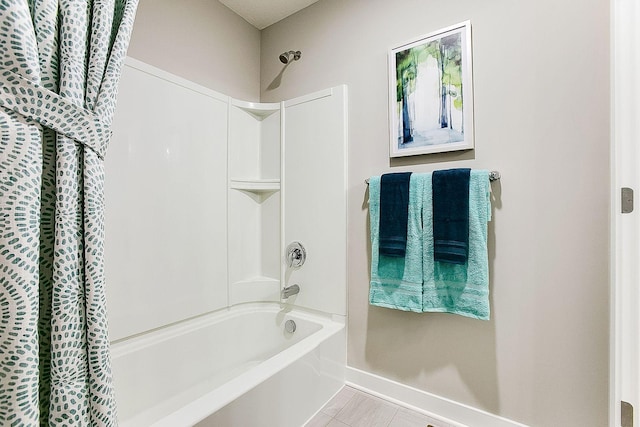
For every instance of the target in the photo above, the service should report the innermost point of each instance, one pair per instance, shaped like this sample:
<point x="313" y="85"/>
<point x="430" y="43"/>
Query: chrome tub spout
<point x="290" y="291"/>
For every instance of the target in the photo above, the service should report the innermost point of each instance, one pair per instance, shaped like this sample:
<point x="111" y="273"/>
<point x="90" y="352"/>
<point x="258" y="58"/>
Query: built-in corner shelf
<point x="258" y="281"/>
<point x="254" y="156"/>
<point x="255" y="185"/>
<point x="254" y="289"/>
<point x="258" y="110"/>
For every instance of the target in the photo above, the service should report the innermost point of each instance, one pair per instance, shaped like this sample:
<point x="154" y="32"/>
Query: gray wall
<point x="541" y="83"/>
<point x="541" y="119"/>
<point x="200" y="40"/>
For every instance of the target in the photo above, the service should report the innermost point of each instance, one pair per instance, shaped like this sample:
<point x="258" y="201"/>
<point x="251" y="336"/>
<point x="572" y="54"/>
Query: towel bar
<point x="493" y="176"/>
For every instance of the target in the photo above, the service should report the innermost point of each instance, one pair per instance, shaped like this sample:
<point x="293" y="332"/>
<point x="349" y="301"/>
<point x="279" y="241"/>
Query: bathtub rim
<point x="132" y="343"/>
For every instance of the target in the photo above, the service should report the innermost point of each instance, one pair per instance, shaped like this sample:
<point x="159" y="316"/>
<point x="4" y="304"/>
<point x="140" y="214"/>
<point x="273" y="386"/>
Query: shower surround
<point x="204" y="192"/>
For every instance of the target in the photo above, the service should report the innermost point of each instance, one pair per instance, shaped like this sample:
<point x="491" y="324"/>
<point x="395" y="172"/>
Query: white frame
<point x="625" y="228"/>
<point x="395" y="150"/>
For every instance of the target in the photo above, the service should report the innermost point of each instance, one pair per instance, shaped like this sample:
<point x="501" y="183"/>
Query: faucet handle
<point x="296" y="255"/>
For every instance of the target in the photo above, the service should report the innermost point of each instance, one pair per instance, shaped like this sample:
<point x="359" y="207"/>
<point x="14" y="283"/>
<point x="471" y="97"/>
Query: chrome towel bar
<point x="493" y="176"/>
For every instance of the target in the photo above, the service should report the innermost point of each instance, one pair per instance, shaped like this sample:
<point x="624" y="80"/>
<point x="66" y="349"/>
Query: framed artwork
<point x="431" y="93"/>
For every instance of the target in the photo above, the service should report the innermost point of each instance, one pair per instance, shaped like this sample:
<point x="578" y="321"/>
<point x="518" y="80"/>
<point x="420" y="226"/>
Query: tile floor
<point x="354" y="408"/>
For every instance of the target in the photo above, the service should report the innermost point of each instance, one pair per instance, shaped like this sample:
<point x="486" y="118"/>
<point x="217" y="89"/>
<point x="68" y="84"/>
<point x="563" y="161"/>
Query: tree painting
<point x="429" y="92"/>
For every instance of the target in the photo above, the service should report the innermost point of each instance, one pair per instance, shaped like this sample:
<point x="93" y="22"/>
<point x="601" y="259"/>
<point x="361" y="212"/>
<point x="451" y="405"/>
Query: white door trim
<point x="625" y="228"/>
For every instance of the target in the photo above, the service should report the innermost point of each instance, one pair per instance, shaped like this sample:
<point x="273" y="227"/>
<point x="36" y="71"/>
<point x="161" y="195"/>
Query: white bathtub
<point x="235" y="367"/>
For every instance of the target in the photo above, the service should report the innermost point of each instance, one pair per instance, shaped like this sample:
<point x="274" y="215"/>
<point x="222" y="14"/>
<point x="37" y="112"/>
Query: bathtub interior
<point x="162" y="371"/>
<point x="293" y="395"/>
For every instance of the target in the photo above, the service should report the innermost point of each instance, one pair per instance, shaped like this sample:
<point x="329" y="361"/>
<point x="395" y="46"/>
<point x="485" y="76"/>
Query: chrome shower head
<point x="287" y="56"/>
<point x="284" y="57"/>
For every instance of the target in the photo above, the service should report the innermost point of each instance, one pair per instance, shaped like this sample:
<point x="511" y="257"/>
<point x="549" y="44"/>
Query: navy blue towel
<point x="394" y="210"/>
<point x="451" y="215"/>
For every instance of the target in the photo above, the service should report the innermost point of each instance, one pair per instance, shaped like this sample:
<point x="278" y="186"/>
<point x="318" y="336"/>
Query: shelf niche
<point x="254" y="201"/>
<point x="255" y="185"/>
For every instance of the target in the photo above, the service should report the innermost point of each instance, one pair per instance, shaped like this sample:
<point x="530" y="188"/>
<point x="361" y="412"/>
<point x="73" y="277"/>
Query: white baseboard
<point x="448" y="411"/>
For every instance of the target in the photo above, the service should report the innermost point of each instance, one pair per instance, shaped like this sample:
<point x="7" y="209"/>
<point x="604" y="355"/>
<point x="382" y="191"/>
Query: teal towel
<point x="396" y="282"/>
<point x="460" y="289"/>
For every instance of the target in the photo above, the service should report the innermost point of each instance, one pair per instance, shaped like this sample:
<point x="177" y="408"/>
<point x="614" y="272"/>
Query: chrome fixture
<point x="493" y="176"/>
<point x="290" y="291"/>
<point x="296" y="255"/>
<point x="290" y="326"/>
<point x="288" y="56"/>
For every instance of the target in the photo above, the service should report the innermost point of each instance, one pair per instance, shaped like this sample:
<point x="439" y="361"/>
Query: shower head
<point x="287" y="56"/>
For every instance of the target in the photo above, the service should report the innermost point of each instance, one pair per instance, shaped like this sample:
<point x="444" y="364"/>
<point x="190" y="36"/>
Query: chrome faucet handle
<point x="296" y="255"/>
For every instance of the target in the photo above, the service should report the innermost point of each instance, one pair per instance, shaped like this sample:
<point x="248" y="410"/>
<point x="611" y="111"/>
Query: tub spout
<point x="290" y="291"/>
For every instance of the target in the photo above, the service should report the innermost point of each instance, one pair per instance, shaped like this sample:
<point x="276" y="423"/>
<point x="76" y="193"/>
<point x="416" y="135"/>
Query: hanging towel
<point x="451" y="215"/>
<point x="394" y="209"/>
<point x="396" y="282"/>
<point x="459" y="288"/>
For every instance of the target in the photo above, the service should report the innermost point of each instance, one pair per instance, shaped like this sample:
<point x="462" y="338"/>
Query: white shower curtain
<point x="60" y="62"/>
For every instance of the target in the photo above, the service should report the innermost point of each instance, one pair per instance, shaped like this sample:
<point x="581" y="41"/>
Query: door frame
<point x="625" y="228"/>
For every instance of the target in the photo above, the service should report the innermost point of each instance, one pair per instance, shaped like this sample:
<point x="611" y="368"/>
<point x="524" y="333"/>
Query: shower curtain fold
<point x="60" y="63"/>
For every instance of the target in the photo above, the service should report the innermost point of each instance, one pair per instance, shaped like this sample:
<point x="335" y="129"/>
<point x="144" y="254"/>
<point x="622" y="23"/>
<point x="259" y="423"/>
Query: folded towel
<point x="394" y="208"/>
<point x="396" y="282"/>
<point x="459" y="288"/>
<point x="451" y="215"/>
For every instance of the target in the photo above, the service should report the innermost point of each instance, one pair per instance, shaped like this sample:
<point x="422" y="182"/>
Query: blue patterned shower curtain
<point x="60" y="63"/>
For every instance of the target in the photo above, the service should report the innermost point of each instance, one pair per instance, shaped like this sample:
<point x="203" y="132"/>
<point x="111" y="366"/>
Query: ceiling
<point x="262" y="13"/>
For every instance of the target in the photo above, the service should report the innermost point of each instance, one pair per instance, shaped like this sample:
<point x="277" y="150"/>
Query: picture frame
<point x="431" y="93"/>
